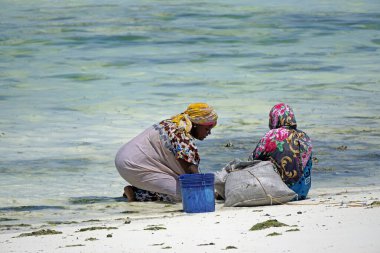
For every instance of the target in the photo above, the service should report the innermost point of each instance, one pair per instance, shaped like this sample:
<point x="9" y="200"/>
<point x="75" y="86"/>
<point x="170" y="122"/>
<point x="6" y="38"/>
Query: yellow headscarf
<point x="198" y="113"/>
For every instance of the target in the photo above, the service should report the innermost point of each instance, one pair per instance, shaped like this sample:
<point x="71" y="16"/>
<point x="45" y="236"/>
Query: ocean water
<point x="80" y="78"/>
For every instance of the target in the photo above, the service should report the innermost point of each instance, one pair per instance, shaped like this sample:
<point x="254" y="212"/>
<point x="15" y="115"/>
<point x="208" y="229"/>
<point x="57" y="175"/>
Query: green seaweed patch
<point x="91" y="239"/>
<point x="14" y="225"/>
<point x="267" y="224"/>
<point x="206" y="244"/>
<point x="292" y="230"/>
<point x="92" y="220"/>
<point x="31" y="208"/>
<point x="274" y="234"/>
<point x="81" y="77"/>
<point x="230" y="247"/>
<point x="86" y="200"/>
<point x="375" y="204"/>
<point x="41" y="232"/>
<point x="155" y="227"/>
<point x="7" y="219"/>
<point x="130" y="212"/>
<point x="61" y="222"/>
<point x="95" y="228"/>
<point x="158" y="244"/>
<point x="74" y="245"/>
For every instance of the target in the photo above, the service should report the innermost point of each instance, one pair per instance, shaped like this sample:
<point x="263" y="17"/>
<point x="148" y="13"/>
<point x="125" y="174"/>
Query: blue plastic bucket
<point x="197" y="192"/>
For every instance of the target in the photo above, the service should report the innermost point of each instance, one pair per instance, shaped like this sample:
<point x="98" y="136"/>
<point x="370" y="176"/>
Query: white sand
<point x="334" y="220"/>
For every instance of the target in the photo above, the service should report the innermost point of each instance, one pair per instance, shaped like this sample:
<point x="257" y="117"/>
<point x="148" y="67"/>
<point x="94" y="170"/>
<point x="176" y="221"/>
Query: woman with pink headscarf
<point x="288" y="148"/>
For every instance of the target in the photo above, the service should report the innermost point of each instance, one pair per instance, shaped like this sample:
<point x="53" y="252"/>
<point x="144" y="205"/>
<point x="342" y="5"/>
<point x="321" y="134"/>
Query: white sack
<point x="252" y="183"/>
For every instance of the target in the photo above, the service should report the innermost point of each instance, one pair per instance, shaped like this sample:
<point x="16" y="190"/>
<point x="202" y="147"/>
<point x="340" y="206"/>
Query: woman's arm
<point x="188" y="167"/>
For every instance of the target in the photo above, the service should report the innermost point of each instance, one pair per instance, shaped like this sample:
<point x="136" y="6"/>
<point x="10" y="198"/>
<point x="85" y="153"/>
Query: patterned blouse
<point x="180" y="143"/>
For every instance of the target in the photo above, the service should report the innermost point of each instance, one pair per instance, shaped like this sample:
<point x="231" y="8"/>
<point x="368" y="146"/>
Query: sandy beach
<point x="79" y="79"/>
<point x="331" y="220"/>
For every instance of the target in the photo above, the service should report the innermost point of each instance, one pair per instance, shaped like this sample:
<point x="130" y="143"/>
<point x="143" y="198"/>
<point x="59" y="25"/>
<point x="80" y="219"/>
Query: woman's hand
<point x="189" y="168"/>
<point x="193" y="169"/>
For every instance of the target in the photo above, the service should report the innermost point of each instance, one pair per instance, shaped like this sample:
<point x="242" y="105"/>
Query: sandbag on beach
<point x="252" y="183"/>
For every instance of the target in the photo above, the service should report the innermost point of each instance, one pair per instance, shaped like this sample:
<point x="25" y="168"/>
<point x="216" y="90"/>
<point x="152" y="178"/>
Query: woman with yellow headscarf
<point x="152" y="161"/>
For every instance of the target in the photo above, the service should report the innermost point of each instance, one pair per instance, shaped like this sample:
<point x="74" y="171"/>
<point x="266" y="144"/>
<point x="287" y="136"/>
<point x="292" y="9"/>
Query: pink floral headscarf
<point x="282" y="115"/>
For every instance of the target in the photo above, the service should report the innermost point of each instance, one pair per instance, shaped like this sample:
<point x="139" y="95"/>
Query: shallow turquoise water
<point x="80" y="78"/>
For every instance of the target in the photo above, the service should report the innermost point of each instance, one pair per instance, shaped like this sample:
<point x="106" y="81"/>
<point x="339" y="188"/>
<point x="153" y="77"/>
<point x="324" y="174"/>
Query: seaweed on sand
<point x="41" y="232"/>
<point x="292" y="230"/>
<point x="95" y="228"/>
<point x="155" y="227"/>
<point x="274" y="234"/>
<point x="267" y="224"/>
<point x="230" y="247"/>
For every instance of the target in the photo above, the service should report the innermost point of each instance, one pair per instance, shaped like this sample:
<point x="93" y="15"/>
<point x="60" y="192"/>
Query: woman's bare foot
<point x="129" y="193"/>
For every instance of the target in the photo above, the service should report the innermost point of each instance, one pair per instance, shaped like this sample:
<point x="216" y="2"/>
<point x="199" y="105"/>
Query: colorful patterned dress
<point x="288" y="148"/>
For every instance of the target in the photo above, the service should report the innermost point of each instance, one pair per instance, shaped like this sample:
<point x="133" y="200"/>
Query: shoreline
<point x="330" y="220"/>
